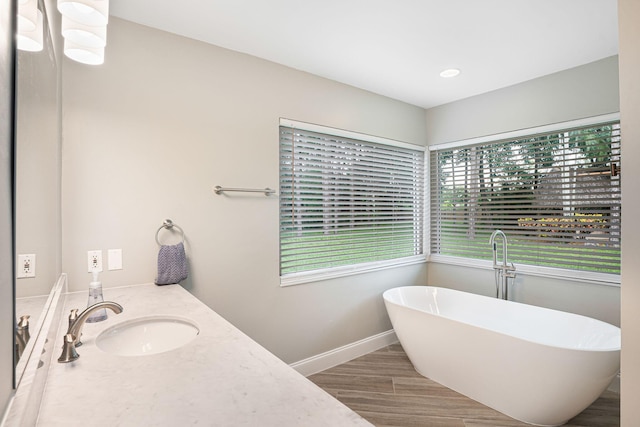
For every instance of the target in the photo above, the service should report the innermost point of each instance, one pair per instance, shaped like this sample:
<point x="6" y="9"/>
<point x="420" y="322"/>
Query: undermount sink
<point x="147" y="335"/>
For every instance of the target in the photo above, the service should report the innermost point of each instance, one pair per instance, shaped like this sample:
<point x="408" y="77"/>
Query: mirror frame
<point x="7" y="196"/>
<point x="36" y="89"/>
<point x="34" y="364"/>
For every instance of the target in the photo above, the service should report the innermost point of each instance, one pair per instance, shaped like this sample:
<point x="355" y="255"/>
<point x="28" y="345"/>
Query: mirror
<point x="7" y="67"/>
<point x="37" y="173"/>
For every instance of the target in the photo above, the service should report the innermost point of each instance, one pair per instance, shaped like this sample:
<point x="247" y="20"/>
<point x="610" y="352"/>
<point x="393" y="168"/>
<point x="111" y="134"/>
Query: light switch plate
<point x="114" y="259"/>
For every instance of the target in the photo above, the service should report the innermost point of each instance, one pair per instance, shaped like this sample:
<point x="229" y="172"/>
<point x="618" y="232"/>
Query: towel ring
<point x="168" y="224"/>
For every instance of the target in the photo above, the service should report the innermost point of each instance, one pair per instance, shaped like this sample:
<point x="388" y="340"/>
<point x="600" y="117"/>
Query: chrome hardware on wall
<point x="615" y="169"/>
<point x="267" y="191"/>
<point x="168" y="225"/>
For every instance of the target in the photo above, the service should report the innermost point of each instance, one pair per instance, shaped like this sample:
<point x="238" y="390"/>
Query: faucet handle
<point x="73" y="316"/>
<point x="23" y="327"/>
<point x="69" y="353"/>
<point x="24" y="321"/>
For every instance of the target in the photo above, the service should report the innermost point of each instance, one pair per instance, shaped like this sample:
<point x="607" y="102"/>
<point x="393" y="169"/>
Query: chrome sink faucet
<point x="503" y="271"/>
<point x="72" y="337"/>
<point x="22" y="335"/>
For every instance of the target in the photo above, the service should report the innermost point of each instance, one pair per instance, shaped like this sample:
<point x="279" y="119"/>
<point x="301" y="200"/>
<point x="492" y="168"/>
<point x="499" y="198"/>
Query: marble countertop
<point x="221" y="378"/>
<point x="31" y="306"/>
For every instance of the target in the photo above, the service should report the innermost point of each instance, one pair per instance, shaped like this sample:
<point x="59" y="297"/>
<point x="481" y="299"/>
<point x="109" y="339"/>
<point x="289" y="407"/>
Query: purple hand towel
<point x="172" y="264"/>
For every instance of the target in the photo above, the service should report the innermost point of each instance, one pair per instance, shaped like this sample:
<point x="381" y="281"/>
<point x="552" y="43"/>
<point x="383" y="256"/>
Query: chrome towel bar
<point x="267" y="191"/>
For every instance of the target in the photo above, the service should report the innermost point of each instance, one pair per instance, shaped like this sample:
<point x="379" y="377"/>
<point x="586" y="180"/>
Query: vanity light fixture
<point x="93" y="13"/>
<point x="27" y="14"/>
<point x="84" y="54"/>
<point x="83" y="35"/>
<point x="84" y="28"/>
<point x="30" y="40"/>
<point x="450" y="72"/>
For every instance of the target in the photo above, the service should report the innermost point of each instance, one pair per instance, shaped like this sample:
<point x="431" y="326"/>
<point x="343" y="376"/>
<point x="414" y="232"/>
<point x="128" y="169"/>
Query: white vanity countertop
<point x="31" y="306"/>
<point x="221" y="378"/>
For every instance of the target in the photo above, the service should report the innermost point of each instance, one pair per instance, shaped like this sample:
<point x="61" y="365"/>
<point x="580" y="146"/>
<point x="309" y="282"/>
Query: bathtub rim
<point x="588" y="350"/>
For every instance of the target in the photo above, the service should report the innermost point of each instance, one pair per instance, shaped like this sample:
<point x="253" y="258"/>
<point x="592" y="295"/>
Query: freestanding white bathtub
<point x="537" y="365"/>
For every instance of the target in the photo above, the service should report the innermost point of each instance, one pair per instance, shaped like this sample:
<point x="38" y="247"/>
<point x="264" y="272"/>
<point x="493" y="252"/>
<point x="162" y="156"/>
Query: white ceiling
<point x="397" y="48"/>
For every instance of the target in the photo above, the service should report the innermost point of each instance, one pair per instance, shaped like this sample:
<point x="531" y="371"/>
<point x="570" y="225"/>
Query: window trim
<point x="292" y="279"/>
<point x="350" y="134"/>
<point x="607" y="279"/>
<point x="553" y="127"/>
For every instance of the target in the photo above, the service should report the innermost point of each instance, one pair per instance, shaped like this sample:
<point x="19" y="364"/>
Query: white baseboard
<point x="331" y="358"/>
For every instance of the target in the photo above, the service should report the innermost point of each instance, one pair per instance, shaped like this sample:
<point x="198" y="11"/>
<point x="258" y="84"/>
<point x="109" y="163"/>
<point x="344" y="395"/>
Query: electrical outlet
<point x="94" y="260"/>
<point x="26" y="266"/>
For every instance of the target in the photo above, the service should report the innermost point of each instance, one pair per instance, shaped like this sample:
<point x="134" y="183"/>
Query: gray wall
<point x="150" y="132"/>
<point x="585" y="91"/>
<point x="629" y="34"/>
<point x="6" y="202"/>
<point x="577" y="93"/>
<point x="165" y="119"/>
<point x="196" y="110"/>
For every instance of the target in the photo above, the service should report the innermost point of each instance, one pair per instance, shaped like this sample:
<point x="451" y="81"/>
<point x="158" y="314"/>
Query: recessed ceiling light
<point x="450" y="72"/>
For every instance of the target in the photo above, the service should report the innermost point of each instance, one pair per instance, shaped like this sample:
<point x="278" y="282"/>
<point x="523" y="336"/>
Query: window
<point x="348" y="202"/>
<point x="556" y="195"/>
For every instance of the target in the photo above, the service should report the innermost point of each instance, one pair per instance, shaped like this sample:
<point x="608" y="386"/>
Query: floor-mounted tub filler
<point x="536" y="365"/>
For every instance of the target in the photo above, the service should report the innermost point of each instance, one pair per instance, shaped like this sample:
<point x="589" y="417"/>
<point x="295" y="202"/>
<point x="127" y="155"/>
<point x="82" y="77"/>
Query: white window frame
<point x="335" y="272"/>
<point x="607" y="279"/>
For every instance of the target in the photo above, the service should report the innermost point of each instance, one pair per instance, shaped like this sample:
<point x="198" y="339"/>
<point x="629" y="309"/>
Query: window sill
<point x="606" y="279"/>
<point x="333" y="273"/>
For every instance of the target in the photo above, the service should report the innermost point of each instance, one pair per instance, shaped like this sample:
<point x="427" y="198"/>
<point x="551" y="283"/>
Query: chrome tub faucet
<point x="505" y="270"/>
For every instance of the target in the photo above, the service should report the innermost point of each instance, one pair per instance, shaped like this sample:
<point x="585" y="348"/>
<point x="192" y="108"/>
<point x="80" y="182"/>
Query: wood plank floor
<point x="384" y="388"/>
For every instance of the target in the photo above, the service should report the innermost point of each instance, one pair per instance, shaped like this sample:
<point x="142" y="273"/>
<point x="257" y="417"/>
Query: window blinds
<point x="347" y="202"/>
<point x="556" y="195"/>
